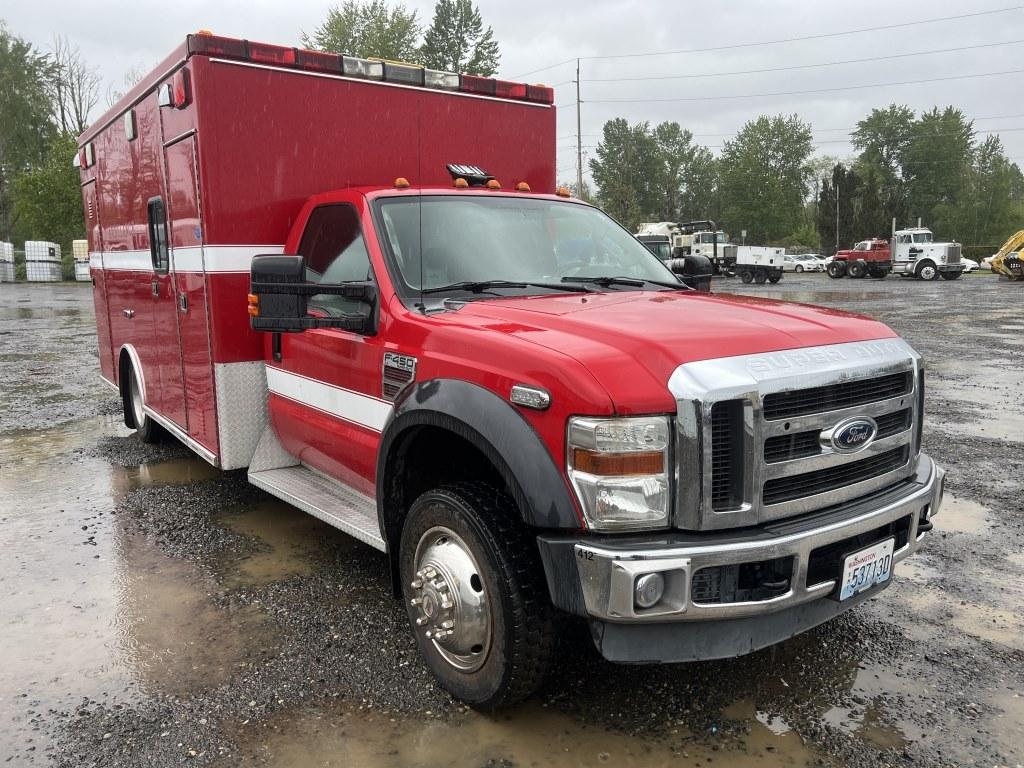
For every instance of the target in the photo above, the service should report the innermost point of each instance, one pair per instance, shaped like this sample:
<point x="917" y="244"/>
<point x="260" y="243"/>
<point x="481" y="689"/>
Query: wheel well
<point x="425" y="457"/>
<point x="124" y="368"/>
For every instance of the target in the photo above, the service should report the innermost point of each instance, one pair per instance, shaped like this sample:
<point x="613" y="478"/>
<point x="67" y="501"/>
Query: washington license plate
<point x="864" y="569"/>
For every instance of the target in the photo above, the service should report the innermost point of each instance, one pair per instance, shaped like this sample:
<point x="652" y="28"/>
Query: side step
<point x="324" y="498"/>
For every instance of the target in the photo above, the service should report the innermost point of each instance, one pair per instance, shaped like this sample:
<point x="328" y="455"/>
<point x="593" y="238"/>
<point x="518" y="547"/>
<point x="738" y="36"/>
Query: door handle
<point x="156" y="288"/>
<point x="129" y="313"/>
<point x="183" y="302"/>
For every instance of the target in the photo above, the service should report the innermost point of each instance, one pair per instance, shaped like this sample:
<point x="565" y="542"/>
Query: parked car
<point x="969" y="264"/>
<point x="807" y="262"/>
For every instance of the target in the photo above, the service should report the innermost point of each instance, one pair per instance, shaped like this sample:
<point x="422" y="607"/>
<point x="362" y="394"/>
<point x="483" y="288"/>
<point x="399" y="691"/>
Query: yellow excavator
<point x="1009" y="261"/>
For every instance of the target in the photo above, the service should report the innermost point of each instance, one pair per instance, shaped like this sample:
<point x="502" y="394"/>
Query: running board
<point x="337" y="505"/>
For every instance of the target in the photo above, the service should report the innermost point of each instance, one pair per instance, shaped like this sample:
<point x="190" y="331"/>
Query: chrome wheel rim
<point x="927" y="272"/>
<point x="136" y="390"/>
<point x="450" y="603"/>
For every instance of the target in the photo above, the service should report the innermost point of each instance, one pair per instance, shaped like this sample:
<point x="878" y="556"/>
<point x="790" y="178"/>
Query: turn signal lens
<point x="640" y="463"/>
<point x="254" y="305"/>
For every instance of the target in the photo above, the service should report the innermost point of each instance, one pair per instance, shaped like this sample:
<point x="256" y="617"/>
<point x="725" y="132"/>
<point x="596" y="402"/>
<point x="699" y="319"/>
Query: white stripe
<point x="217" y="258"/>
<point x="370" y="412"/>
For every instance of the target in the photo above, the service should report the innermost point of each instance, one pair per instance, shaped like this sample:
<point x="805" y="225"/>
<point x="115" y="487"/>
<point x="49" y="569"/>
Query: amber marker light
<point x="401" y="183"/>
<point x="254" y="305"/>
<point x="461" y="183"/>
<point x="563" y="192"/>
<point x="522" y="186"/>
<point x="618" y="464"/>
<point x="494" y="184"/>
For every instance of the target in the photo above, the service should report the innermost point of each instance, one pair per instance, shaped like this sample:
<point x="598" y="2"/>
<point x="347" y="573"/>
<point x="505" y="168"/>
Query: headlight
<point x="620" y="471"/>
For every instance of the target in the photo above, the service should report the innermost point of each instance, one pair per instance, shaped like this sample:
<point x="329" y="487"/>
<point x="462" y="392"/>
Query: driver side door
<point x="325" y="384"/>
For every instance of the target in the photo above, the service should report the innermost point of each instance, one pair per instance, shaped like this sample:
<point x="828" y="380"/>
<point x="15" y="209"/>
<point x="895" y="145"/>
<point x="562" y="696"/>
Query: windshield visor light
<point x="619" y="469"/>
<point x="353" y="67"/>
<point x="403" y="73"/>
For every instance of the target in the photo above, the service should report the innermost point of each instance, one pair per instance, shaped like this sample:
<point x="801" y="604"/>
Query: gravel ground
<point x="162" y="614"/>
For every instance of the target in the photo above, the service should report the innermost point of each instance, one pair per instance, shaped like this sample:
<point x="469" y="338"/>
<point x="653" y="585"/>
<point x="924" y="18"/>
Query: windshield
<point x="922" y="237"/>
<point x="446" y="239"/>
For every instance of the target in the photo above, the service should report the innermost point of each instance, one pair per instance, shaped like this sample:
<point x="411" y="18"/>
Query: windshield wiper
<point x="480" y="286"/>
<point x="606" y="281"/>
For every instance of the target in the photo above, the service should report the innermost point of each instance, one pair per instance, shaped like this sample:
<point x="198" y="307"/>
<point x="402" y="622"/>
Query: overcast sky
<point x="534" y="34"/>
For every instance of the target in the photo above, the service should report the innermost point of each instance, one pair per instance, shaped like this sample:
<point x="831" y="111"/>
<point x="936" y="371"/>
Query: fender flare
<point x="495" y="428"/>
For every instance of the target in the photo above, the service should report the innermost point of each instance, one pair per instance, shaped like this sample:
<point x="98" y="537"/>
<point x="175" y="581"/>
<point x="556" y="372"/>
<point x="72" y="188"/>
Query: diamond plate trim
<point x="270" y="454"/>
<point x="241" y="410"/>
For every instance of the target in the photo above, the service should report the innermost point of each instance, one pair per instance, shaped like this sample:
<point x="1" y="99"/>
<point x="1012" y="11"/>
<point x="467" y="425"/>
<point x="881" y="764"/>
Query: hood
<point x="632" y="341"/>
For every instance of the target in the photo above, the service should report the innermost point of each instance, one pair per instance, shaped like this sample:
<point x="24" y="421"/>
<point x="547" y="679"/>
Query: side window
<point x="335" y="252"/>
<point x="158" y="248"/>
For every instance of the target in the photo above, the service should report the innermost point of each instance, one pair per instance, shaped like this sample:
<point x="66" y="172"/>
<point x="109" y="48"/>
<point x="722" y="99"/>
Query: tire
<point x="503" y="656"/>
<point x="799" y="268"/>
<point x="148" y="430"/>
<point x="836" y="269"/>
<point x="774" y="277"/>
<point x="746" y="276"/>
<point x="760" y="276"/>
<point x="878" y="273"/>
<point x="952" y="275"/>
<point x="926" y="270"/>
<point x="857" y="269"/>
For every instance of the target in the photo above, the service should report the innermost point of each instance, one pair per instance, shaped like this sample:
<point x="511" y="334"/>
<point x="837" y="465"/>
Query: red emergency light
<point x="366" y="69"/>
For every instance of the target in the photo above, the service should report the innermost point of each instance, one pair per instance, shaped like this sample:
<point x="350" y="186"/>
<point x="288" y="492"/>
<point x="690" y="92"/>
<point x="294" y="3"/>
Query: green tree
<point x="764" y="174"/>
<point x="25" y="108"/>
<point x="456" y="40"/>
<point x="626" y="172"/>
<point x="684" y="184"/>
<point x="937" y="161"/>
<point x="48" y="198"/>
<point x="368" y="29"/>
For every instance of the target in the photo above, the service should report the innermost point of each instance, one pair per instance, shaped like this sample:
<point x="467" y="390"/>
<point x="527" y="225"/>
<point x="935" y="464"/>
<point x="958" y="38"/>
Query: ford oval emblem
<point x="853" y="435"/>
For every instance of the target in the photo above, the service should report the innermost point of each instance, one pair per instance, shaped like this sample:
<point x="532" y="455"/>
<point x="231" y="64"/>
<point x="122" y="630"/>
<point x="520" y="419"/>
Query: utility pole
<point x="837" y="215"/>
<point x="579" y="138"/>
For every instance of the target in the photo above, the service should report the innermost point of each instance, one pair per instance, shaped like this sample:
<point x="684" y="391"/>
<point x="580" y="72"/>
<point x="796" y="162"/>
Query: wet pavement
<point x="159" y="612"/>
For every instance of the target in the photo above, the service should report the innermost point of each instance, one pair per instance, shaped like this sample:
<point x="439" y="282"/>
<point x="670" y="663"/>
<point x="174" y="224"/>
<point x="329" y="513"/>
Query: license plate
<point x="866" y="568"/>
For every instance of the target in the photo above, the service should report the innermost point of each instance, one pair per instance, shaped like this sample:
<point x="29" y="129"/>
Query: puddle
<point x="972" y="618"/>
<point x="174" y="638"/>
<point x="530" y="736"/>
<point x="191" y="469"/>
<point x="1008" y="724"/>
<point x="961" y="515"/>
<point x="291" y="537"/>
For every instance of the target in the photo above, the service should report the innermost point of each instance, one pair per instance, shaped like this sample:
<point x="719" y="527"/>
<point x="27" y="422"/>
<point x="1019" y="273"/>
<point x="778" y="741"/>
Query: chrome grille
<point x="755" y="430"/>
<point x="953" y="253"/>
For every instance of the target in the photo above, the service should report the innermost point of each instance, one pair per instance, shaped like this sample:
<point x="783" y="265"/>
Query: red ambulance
<point x="357" y="279"/>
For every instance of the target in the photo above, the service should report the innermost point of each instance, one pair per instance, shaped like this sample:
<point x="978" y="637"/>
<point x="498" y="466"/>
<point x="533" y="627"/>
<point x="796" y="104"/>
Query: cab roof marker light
<point x="474" y="84"/>
<point x="407" y="74"/>
<point x="213" y="45"/>
<point x="353" y="67"/>
<point x="508" y="90"/>
<point x="540" y="94"/>
<point x="446" y="81"/>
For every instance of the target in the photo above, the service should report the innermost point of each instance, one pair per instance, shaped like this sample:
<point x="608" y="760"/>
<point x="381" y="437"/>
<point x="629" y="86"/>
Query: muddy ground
<point x="157" y="612"/>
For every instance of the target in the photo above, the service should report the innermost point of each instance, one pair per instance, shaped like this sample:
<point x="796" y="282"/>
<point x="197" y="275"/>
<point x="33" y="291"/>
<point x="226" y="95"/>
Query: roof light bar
<point x="367" y="68"/>
<point x="351" y="66"/>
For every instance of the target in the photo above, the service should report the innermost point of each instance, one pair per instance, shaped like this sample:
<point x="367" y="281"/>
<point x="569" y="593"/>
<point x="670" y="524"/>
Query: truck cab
<point x="413" y="334"/>
<point x="916" y="254"/>
<point x="867" y="258"/>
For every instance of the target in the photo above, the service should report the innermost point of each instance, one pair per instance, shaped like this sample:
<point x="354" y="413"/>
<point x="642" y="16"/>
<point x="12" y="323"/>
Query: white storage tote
<point x="42" y="261"/>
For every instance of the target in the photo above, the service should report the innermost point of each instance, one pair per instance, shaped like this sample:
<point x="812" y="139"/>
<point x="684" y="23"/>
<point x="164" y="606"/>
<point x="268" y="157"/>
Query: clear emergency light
<point x="366" y="69"/>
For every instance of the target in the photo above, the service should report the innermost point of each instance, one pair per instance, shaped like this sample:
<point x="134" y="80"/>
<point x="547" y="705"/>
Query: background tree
<point x="626" y="172"/>
<point x="368" y="29"/>
<point x="74" y="86"/>
<point x="684" y="184"/>
<point x="456" y="40"/>
<point x="764" y="175"/>
<point x="25" y="125"/>
<point x="936" y="161"/>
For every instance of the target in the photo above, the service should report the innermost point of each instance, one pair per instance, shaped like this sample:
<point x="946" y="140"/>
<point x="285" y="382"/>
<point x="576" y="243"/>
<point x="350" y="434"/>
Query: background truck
<point x="759" y="263"/>
<point x="868" y="257"/>
<point x="691" y="238"/>
<point x="358" y="280"/>
<point x="915" y="254"/>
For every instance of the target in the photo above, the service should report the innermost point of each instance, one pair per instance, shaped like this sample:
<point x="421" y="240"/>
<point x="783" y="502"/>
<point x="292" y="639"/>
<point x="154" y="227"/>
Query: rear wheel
<point x="760" y="276"/>
<point x="149" y="431"/>
<point x="799" y="268"/>
<point x="774" y="277"/>
<point x="857" y="269"/>
<point x="746" y="276"/>
<point x="878" y="272"/>
<point x="475" y="593"/>
<point x="927" y="271"/>
<point x="955" y="275"/>
<point x="836" y="269"/>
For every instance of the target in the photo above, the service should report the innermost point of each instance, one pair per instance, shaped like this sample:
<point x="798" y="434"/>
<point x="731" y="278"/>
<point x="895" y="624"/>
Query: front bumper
<point x="594" y="576"/>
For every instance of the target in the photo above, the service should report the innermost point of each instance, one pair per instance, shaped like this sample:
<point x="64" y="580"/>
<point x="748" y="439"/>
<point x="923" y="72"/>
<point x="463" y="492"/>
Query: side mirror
<point x="279" y="293"/>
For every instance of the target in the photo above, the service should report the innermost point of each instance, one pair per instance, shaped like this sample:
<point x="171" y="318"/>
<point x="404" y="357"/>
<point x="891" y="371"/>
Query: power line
<point x="775" y="42"/>
<point x="802" y="66"/>
<point x="821" y="130"/>
<point x="811" y="91"/>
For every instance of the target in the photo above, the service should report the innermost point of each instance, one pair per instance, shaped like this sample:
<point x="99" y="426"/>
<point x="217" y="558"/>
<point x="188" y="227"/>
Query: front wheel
<point x="476" y="596"/>
<point x="774" y="277"/>
<point x="760" y="276"/>
<point x="927" y="271"/>
<point x="799" y="268"/>
<point x="746" y="276"/>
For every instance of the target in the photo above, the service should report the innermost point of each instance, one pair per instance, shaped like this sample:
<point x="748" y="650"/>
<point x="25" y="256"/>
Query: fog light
<point x="648" y="589"/>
